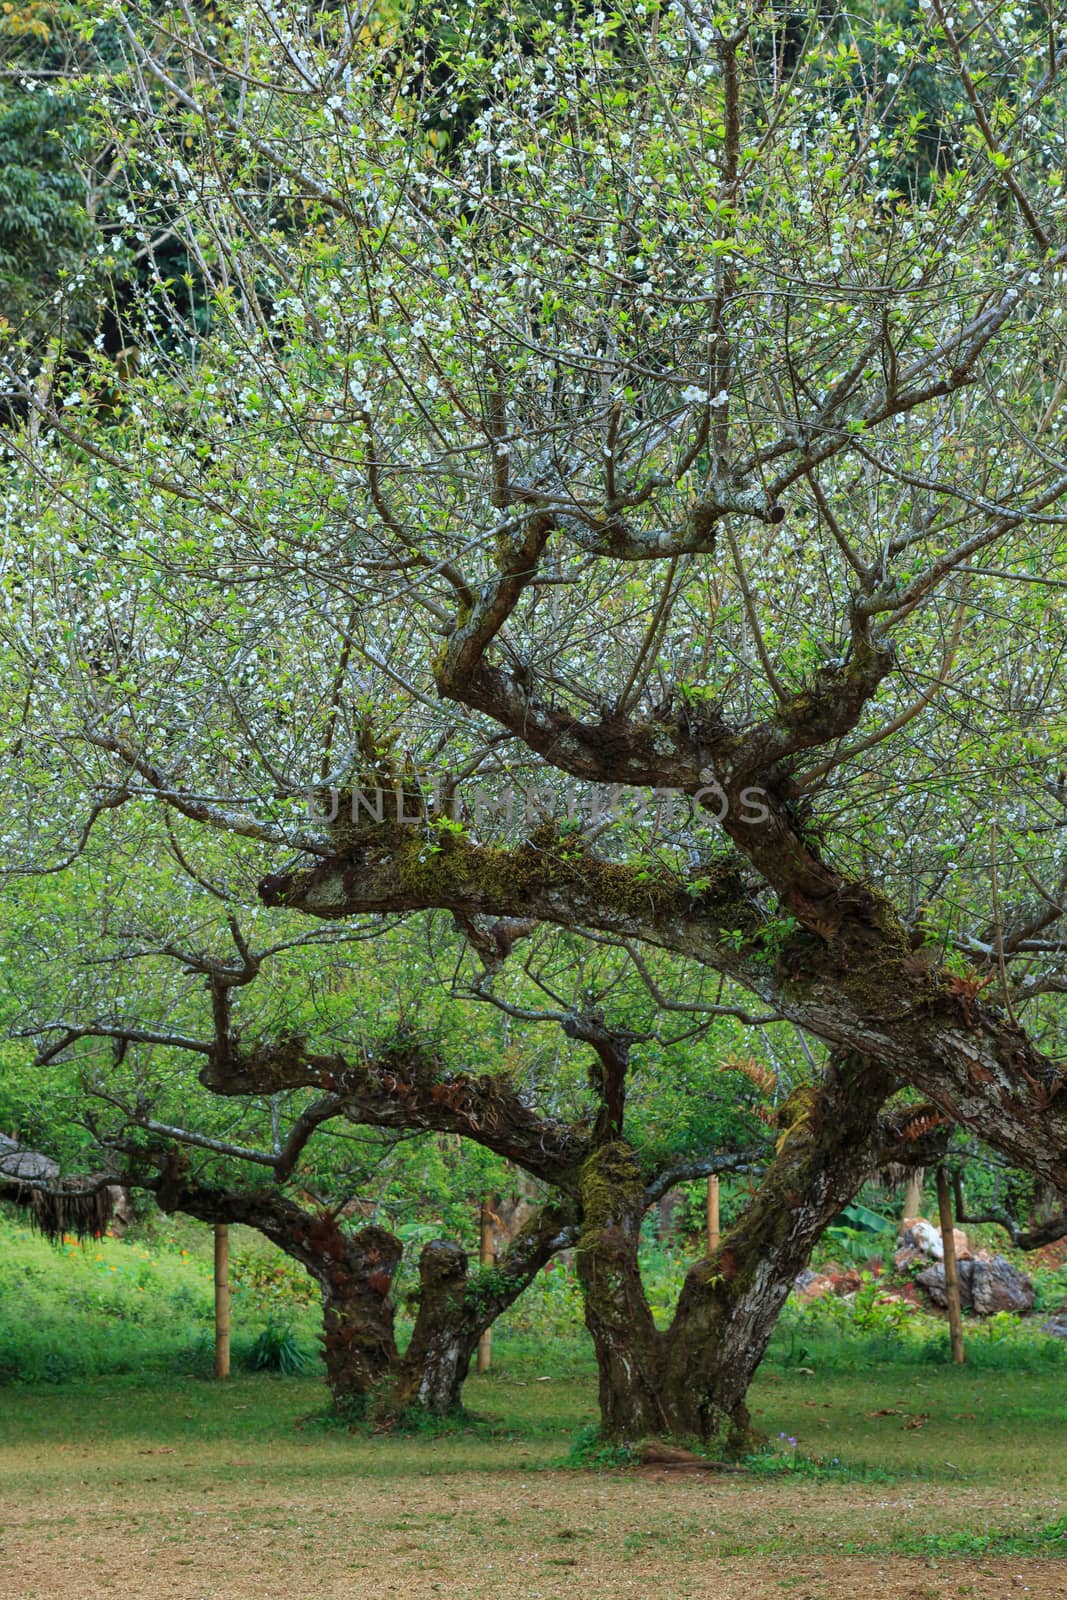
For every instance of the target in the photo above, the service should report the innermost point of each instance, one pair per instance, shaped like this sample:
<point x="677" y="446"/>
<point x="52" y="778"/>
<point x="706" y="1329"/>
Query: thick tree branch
<point x="861" y="990"/>
<point x="408" y="1089"/>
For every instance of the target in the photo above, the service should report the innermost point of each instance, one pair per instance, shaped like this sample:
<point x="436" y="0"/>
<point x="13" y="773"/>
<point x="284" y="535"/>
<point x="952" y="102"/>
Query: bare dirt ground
<point x="553" y="1535"/>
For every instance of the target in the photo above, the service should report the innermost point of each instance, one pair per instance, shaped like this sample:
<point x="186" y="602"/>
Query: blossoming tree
<point x="655" y="411"/>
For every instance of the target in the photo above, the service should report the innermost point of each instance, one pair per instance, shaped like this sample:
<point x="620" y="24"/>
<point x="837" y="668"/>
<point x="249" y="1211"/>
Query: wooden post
<point x="486" y="1258"/>
<point x="952" y="1271"/>
<point x="222" y="1300"/>
<point x="913" y="1193"/>
<point x="713" y="1212"/>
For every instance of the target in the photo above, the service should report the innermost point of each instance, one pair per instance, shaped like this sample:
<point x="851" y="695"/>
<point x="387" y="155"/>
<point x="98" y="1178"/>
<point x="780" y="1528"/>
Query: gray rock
<point x="985" y="1286"/>
<point x="932" y="1284"/>
<point x="998" y="1286"/>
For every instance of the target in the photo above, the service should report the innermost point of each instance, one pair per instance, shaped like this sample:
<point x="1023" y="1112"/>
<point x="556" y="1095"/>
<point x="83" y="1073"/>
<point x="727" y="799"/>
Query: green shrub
<point x="861" y="1332"/>
<point x="277" y="1349"/>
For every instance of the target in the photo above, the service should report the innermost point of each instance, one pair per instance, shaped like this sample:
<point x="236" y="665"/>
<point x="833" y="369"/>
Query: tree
<point x="115" y="1106"/>
<point x="667" y="435"/>
<point x="599" y="1168"/>
<point x="197" y="1171"/>
<point x="367" y="1374"/>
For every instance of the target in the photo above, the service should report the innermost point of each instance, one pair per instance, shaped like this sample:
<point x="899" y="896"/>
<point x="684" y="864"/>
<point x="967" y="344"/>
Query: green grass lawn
<point x="987" y="1463"/>
<point x="952" y="1426"/>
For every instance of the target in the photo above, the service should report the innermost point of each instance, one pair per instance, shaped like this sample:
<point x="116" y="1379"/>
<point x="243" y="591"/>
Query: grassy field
<point x="909" y="1479"/>
<point x="241" y="1489"/>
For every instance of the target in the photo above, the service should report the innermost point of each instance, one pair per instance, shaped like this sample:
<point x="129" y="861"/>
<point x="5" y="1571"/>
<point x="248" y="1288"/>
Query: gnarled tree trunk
<point x="634" y="1398"/>
<point x="456" y="1307"/>
<point x="366" y="1373"/>
<point x="447" y="1328"/>
<point x="355" y="1275"/>
<point x="691" y="1379"/>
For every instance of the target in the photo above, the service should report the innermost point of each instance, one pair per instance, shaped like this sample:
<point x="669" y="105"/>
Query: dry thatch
<point x="76" y="1210"/>
<point x="57" y="1206"/>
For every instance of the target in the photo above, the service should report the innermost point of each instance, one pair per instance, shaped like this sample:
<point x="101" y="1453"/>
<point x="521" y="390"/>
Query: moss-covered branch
<point x="859" y="986"/>
<point x="409" y="1087"/>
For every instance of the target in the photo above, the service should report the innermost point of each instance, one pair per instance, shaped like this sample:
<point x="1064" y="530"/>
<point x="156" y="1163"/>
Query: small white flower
<point x="717" y="401"/>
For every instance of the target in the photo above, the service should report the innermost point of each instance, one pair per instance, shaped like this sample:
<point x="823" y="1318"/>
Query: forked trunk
<point x="365" y="1372"/>
<point x="355" y="1273"/>
<point x="455" y="1309"/>
<point x="691" y="1380"/>
<point x="681" y="1382"/>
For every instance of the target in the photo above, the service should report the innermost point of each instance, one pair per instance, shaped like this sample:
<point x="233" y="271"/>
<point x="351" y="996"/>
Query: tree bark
<point x="629" y="1348"/>
<point x="456" y="1309"/>
<point x="830" y="1140"/>
<point x="445" y="1336"/>
<point x="355" y="1273"/>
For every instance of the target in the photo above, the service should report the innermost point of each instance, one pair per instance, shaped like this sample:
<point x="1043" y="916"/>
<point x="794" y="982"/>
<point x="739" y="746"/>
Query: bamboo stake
<point x="713" y="1212"/>
<point x="952" y="1271"/>
<point x="486" y="1258"/>
<point x="222" y="1300"/>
